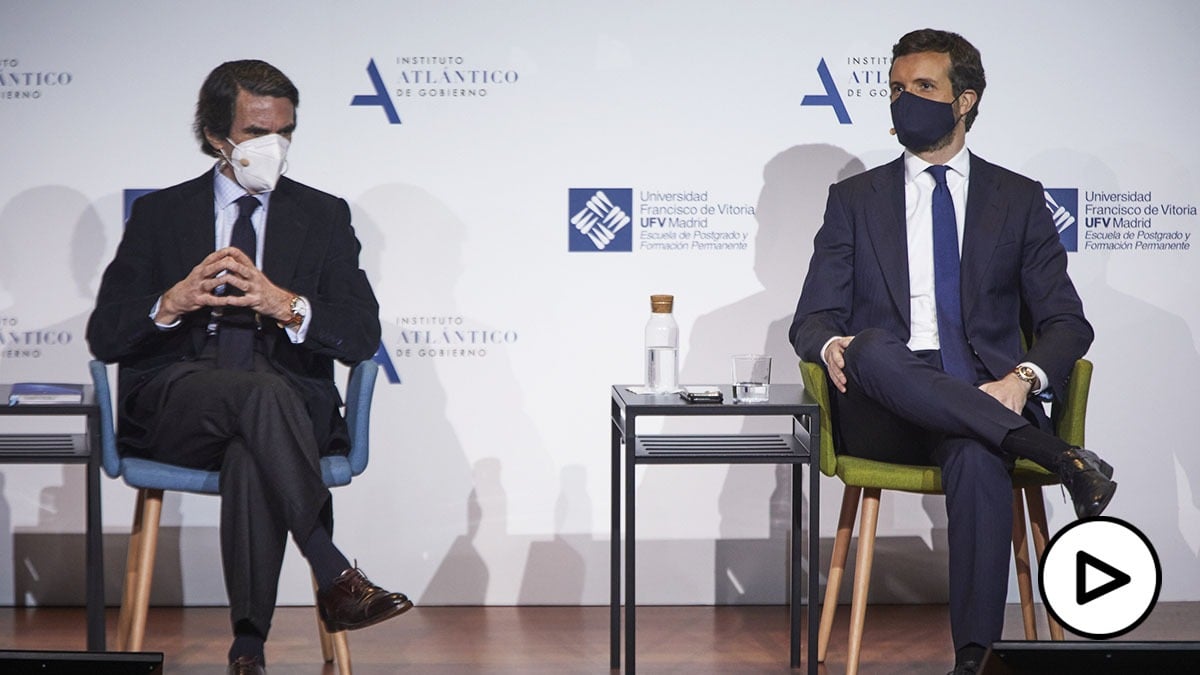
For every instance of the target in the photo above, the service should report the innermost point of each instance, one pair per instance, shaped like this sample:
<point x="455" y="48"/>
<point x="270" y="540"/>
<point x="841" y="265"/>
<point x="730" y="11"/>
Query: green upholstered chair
<point x="865" y="479"/>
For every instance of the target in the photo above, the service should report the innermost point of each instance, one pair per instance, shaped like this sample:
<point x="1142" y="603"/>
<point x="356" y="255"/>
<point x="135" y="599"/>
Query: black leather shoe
<point x="1092" y="459"/>
<point x="352" y="601"/>
<point x="965" y="668"/>
<point x="247" y="665"/>
<point x="1084" y="476"/>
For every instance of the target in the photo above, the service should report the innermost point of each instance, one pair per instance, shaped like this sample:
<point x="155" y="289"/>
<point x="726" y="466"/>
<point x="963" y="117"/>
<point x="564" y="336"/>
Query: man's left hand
<point x="1010" y="390"/>
<point x="260" y="294"/>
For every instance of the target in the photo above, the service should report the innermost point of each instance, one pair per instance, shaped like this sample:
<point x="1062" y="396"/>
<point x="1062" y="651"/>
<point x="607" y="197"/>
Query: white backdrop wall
<point x="489" y="476"/>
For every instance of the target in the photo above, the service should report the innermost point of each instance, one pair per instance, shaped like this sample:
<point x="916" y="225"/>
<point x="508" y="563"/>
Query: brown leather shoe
<point x="352" y="601"/>
<point x="247" y="665"/>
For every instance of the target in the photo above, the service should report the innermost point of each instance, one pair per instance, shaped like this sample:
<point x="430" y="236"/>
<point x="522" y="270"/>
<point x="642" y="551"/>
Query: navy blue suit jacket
<point x="309" y="249"/>
<point x="1014" y="272"/>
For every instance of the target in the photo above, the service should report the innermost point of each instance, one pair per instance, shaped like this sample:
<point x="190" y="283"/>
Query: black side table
<point x="68" y="449"/>
<point x="796" y="448"/>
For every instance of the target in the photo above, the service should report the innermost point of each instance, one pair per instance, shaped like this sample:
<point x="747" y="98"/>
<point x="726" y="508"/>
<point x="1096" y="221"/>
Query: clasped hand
<point x="198" y="288"/>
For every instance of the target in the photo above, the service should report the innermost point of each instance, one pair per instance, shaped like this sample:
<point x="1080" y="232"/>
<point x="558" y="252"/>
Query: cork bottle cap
<point x="661" y="304"/>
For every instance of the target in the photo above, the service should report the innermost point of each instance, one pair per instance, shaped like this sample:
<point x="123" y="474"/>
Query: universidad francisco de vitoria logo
<point x="1063" y="204"/>
<point x="599" y="220"/>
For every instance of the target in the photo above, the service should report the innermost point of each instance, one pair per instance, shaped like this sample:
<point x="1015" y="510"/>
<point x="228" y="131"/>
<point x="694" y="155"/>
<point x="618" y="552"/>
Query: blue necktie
<point x="956" y="353"/>
<point x="235" y="334"/>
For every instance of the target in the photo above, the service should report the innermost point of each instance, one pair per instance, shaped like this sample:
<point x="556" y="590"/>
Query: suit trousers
<point x="253" y="427"/>
<point x="901" y="407"/>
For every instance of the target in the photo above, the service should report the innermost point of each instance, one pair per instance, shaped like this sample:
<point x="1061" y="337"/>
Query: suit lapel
<point x="886" y="224"/>
<point x="285" y="233"/>
<point x="197" y="231"/>
<point x="981" y="231"/>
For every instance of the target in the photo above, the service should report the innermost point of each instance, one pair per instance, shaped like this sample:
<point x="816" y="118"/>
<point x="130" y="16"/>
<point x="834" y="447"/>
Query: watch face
<point x="1027" y="374"/>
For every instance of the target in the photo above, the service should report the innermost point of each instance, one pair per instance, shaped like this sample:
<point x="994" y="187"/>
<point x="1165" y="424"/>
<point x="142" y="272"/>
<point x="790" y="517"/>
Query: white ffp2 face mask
<point x="259" y="162"/>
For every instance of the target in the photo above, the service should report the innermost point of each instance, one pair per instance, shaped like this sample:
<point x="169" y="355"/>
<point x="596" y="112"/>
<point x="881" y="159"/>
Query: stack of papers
<point x="45" y="393"/>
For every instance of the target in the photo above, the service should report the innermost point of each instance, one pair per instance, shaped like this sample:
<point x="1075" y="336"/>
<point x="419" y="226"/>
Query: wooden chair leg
<point x="837" y="565"/>
<point x="334" y="646"/>
<point x="322" y="634"/>
<point x="131" y="557"/>
<point x="1037" y="523"/>
<point x="147" y="547"/>
<point x="341" y="650"/>
<point x="1020" y="546"/>
<point x="862" y="576"/>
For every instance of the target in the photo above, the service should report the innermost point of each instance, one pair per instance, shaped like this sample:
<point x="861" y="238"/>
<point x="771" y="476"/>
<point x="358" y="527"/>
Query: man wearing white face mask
<point x="228" y="300"/>
<point x="258" y="162"/>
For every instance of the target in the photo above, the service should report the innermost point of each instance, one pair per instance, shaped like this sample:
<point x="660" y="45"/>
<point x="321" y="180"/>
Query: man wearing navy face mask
<point x="228" y="300"/>
<point x="922" y="276"/>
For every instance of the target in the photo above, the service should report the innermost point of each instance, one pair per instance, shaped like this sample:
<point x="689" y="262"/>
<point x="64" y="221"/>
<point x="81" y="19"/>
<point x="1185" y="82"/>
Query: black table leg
<point x="95" y="555"/>
<point x="614" y="561"/>
<point x="797" y="563"/>
<point x="630" y="547"/>
<point x="814" y="553"/>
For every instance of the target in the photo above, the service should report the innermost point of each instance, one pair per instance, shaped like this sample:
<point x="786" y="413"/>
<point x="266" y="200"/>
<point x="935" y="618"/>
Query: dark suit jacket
<point x="309" y="248"/>
<point x="1014" y="272"/>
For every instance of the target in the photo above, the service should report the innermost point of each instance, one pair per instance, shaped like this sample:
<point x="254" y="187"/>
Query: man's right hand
<point x="196" y="289"/>
<point x="835" y="362"/>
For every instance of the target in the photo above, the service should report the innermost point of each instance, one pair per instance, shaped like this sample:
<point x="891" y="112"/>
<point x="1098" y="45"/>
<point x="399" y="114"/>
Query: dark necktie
<point x="235" y="331"/>
<point x="243" y="235"/>
<point x="956" y="353"/>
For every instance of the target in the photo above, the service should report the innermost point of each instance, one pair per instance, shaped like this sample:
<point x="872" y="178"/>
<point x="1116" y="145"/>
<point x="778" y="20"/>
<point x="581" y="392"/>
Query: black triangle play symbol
<point x="1082" y="562"/>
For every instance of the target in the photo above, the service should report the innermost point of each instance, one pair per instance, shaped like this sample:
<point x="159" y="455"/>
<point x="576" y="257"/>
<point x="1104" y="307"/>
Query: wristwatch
<point x="1027" y="374"/>
<point x="299" y="309"/>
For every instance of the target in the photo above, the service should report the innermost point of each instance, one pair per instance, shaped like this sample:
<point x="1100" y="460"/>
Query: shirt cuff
<point x="825" y="347"/>
<point x="297" y="333"/>
<point x="162" y="326"/>
<point x="1043" y="382"/>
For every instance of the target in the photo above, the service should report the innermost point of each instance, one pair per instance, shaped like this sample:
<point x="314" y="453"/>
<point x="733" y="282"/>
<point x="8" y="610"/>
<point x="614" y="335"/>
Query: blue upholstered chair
<point x="151" y="478"/>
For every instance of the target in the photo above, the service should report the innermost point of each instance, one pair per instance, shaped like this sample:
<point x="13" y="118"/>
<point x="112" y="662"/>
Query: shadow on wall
<point x="412" y="250"/>
<point x="457" y="518"/>
<point x="462" y="576"/>
<point x="51" y="243"/>
<point x="556" y="570"/>
<point x="1152" y="401"/>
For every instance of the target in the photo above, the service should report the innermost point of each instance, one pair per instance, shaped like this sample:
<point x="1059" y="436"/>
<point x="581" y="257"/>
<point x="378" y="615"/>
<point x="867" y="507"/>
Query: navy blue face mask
<point x="919" y="122"/>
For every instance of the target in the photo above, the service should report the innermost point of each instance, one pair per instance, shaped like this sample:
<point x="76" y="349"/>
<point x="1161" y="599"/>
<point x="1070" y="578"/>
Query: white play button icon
<point x="1100" y="577"/>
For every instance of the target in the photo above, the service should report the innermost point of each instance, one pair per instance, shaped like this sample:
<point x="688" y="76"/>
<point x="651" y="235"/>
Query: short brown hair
<point x="966" y="65"/>
<point x="218" y="95"/>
